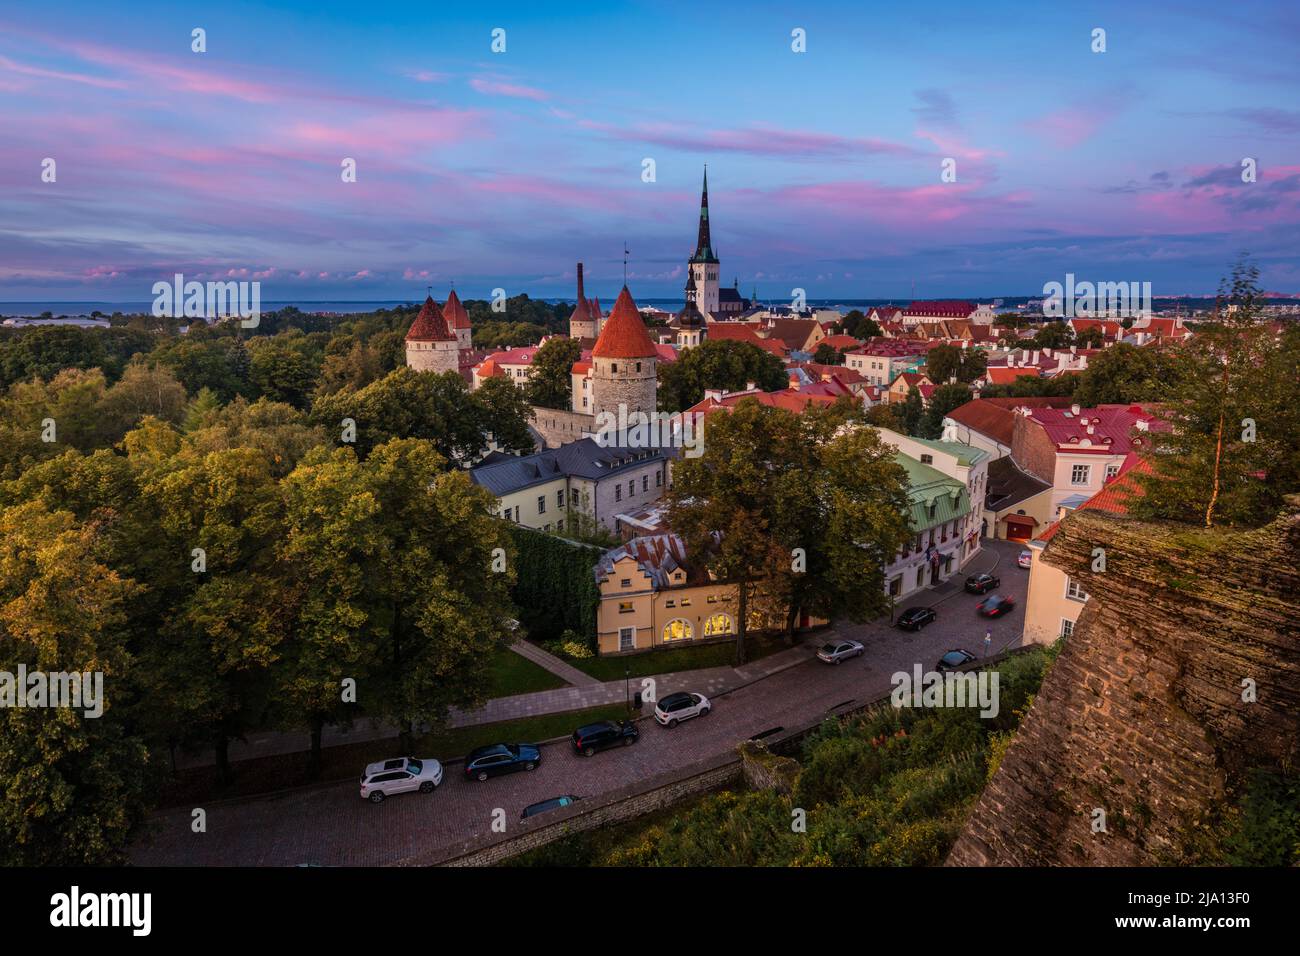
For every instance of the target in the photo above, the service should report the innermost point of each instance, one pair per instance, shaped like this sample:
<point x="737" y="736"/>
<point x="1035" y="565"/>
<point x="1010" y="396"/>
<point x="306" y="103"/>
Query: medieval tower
<point x="430" y="345"/>
<point x="458" y="321"/>
<point x="623" y="362"/>
<point x="584" y="320"/>
<point x="704" y="264"/>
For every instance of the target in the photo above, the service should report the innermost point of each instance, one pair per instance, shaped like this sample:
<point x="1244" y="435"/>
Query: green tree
<point x="717" y="364"/>
<point x="1229" y="453"/>
<point x="942" y="363"/>
<point x="72" y="786"/>
<point x="1124" y="374"/>
<point x="944" y="399"/>
<point x="912" y="412"/>
<point x="1053" y="335"/>
<point x="550" y="377"/>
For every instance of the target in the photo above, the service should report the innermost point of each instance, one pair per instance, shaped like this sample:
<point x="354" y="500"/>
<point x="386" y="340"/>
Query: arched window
<point x="715" y="625"/>
<point x="678" y="630"/>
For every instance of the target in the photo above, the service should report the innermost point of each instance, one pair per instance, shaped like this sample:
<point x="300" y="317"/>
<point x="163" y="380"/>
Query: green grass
<point x="512" y="674"/>
<point x="678" y="658"/>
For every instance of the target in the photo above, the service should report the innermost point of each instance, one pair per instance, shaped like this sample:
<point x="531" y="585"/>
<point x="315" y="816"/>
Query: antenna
<point x="625" y="255"/>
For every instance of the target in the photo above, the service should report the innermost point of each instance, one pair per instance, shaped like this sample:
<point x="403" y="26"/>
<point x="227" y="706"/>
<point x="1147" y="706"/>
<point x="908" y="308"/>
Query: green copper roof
<point x="928" y="486"/>
<point x="967" y="455"/>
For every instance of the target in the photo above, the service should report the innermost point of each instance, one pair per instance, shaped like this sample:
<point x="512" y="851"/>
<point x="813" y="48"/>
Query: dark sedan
<point x="593" y="738"/>
<point x="954" y="659"/>
<point x="981" y="583"/>
<point x="496" y="759"/>
<point x="915" y="618"/>
<point x="996" y="605"/>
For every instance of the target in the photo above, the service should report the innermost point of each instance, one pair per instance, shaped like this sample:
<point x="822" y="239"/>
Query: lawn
<point x="668" y="661"/>
<point x="512" y="674"/>
<point x="345" y="762"/>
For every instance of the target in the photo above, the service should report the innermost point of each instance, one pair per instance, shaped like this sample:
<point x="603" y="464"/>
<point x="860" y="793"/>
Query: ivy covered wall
<point x="555" y="588"/>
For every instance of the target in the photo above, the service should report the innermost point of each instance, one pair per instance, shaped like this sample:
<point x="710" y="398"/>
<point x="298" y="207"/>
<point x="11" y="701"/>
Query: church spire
<point x="704" y="244"/>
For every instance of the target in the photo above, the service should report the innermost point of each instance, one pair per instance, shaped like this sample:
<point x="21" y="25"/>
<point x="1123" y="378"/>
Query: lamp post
<point x="627" y="688"/>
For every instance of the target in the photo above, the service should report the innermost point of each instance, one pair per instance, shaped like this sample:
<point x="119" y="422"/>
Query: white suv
<point x="400" y="775"/>
<point x="675" y="708"/>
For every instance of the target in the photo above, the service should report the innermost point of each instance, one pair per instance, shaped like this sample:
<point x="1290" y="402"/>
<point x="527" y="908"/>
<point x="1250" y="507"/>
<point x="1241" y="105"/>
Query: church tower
<point x="623" y="362"/>
<point x="458" y="321"/>
<point x="430" y="345"/>
<point x="691" y="325"/>
<point x="704" y="264"/>
<point x="582" y="324"/>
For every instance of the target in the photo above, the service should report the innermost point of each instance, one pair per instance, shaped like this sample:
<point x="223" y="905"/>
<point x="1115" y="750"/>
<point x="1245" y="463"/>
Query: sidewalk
<point x="709" y="681"/>
<point x="548" y="661"/>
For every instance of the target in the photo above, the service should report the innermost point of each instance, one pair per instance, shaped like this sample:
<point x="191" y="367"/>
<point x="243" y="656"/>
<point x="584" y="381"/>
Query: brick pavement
<point x="331" y="825"/>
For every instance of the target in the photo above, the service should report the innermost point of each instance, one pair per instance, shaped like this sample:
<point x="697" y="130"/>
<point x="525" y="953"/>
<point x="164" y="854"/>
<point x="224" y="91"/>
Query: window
<point x="713" y="599"/>
<point x="1067" y="627"/>
<point x="618" y="492"/>
<point x="507" y="514"/>
<point x="573" y="497"/>
<point x="678" y="630"/>
<point x="896" y="586"/>
<point x="645" y="482"/>
<point x="670" y="603"/>
<point x="625" y="583"/>
<point x="541" y="504"/>
<point x="686" y="602"/>
<point x="626" y="638"/>
<point x="631" y="488"/>
<point x="1111" y="471"/>
<point x="659" y="478"/>
<point x="559" y="498"/>
<point x="716" y="625"/>
<point x="638" y="366"/>
<point x="613" y="367"/>
<point x="1079" y="474"/>
<point x="625" y="607"/>
<point x="927" y="459"/>
<point x="1073" y="591"/>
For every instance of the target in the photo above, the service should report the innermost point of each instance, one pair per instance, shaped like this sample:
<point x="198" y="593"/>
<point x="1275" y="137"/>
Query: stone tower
<point x="582" y="323"/>
<point x="458" y="321"/>
<point x="623" y="362"/>
<point x="430" y="345"/>
<point x="692" y="328"/>
<point x="704" y="264"/>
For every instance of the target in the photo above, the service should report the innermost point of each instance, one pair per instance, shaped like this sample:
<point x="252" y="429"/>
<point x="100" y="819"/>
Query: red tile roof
<point x="624" y="334"/>
<point x="454" y="312"/>
<point x="1116" y="493"/>
<point x="741" y="332"/>
<point x="429" y="325"/>
<point x="942" y="308"/>
<point x="1112" y="428"/>
<point x="1001" y="375"/>
<point x="996" y="417"/>
<point x="838" y="342"/>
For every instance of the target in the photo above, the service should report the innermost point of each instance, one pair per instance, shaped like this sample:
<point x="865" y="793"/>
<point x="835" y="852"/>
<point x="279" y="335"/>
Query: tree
<point x="505" y="413"/>
<point x="550" y="377"/>
<point x="72" y="786"/>
<point x="974" y="362"/>
<point x="1053" y="335"/>
<point x="827" y="355"/>
<point x="209" y="358"/>
<point x="912" y="412"/>
<point x="143" y="390"/>
<point x="284" y="368"/>
<point x="1124" y="374"/>
<point x="717" y="364"/>
<point x="1090" y="338"/>
<point x="942" y="363"/>
<point x="1229" y="453"/>
<point x="859" y="326"/>
<point x="943" y="400"/>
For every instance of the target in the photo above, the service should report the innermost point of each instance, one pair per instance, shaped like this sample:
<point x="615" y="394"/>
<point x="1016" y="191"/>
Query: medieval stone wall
<point x="1142" y="716"/>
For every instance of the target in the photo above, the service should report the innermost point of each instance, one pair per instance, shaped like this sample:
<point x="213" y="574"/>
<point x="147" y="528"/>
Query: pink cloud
<point x="753" y="140"/>
<point x="496" y="87"/>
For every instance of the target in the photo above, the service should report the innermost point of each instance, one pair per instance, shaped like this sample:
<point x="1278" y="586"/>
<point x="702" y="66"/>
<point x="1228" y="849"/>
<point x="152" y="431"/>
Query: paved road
<point x="331" y="825"/>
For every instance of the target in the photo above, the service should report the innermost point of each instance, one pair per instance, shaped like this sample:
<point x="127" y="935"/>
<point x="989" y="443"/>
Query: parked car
<point x="835" y="651"/>
<point x="400" y="775"/>
<point x="982" y="583"/>
<point x="593" y="738"/>
<point x="496" y="759"/>
<point x="542" y="806"/>
<point x="1026" y="559"/>
<point x="954" y="659"/>
<point x="996" y="605"/>
<point x="675" y="708"/>
<point x="915" y="618"/>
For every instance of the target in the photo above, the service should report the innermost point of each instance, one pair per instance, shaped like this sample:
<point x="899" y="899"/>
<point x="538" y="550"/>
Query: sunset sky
<point x="503" y="169"/>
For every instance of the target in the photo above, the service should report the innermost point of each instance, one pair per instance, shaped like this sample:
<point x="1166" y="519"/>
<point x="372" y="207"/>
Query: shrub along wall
<point x="555" y="589"/>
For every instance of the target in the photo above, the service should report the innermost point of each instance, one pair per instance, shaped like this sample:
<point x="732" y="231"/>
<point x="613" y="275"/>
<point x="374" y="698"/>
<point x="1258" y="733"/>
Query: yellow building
<point x="651" y="597"/>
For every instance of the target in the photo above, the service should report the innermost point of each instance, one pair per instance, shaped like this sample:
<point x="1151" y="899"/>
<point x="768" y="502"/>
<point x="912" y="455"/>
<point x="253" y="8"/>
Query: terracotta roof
<point x="996" y="417"/>
<point x="741" y="332"/>
<point x="838" y="342"/>
<point x="792" y="333"/>
<point x="624" y="334"/>
<point x="1116" y="493"/>
<point x="1112" y="427"/>
<point x="454" y="312"/>
<point x="581" y="311"/>
<point x="429" y="325"/>
<point x="944" y="308"/>
<point x="1001" y="375"/>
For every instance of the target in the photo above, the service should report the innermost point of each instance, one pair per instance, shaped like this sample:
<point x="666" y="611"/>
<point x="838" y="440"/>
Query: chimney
<point x="581" y="294"/>
<point x="1034" y="359"/>
<point x="1074" y="409"/>
<point x="1091" y="428"/>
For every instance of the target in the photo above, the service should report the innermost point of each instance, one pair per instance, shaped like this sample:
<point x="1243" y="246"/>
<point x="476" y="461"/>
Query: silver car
<point x="400" y="775"/>
<point x="833" y="652"/>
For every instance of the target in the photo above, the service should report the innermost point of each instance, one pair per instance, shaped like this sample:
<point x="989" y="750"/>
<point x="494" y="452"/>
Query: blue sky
<point x="504" y="169"/>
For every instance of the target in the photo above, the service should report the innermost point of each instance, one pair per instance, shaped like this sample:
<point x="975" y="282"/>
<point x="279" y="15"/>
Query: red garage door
<point x="1020" y="527"/>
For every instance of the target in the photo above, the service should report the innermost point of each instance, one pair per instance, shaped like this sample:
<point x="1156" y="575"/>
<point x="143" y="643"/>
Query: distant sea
<point x="68" y="308"/>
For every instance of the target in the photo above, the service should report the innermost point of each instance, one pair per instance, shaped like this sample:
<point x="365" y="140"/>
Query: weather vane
<point x="625" y="255"/>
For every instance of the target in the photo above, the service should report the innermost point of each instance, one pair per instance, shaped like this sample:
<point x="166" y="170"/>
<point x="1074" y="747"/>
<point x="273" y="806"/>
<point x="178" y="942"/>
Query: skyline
<point x="503" y="170"/>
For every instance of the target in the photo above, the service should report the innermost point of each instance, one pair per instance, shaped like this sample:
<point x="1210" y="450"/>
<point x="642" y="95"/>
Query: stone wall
<point x="636" y="390"/>
<point x="557" y="427"/>
<point x="1142" y="714"/>
<point x="1032" y="449"/>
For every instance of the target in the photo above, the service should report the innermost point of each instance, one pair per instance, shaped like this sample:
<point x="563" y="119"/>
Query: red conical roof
<point x="624" y="334"/>
<point x="454" y="312"/>
<point x="429" y="325"/>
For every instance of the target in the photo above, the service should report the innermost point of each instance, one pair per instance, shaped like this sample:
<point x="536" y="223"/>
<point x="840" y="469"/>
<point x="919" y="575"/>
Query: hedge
<point x="555" y="588"/>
